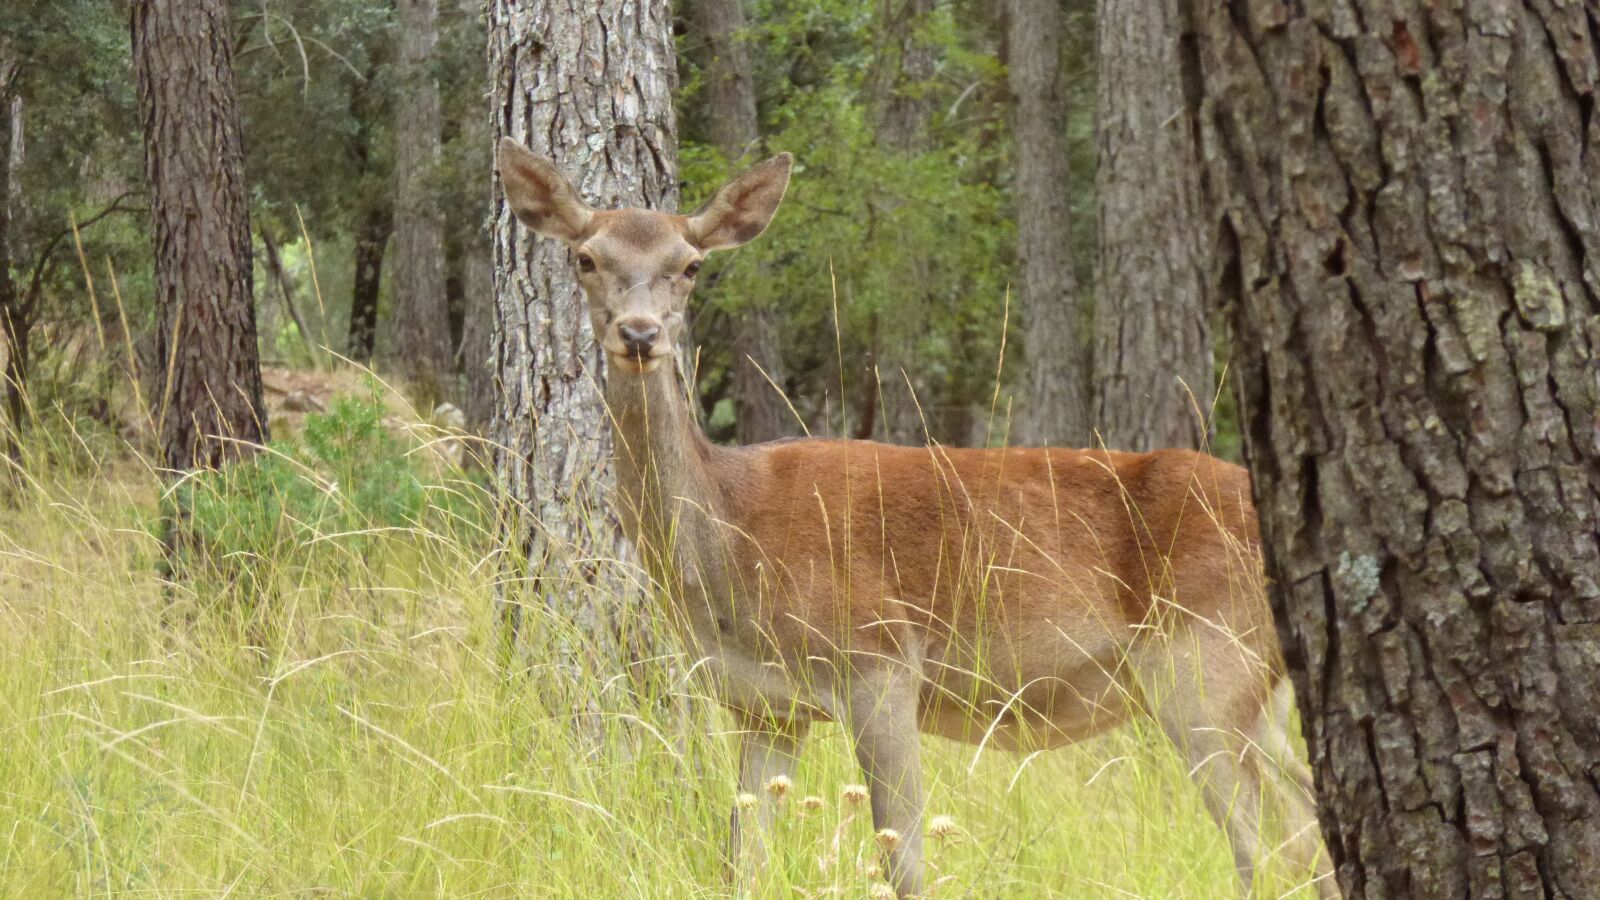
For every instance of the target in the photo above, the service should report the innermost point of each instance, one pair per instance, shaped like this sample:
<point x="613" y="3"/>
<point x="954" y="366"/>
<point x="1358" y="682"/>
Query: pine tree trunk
<point x="11" y="324"/>
<point x="1410" y="203"/>
<point x="418" y="325"/>
<point x="207" y="396"/>
<point x="1152" y="383"/>
<point x="372" y="238"/>
<point x="1055" y="408"/>
<point x="477" y="328"/>
<point x="730" y="99"/>
<point x="902" y="115"/>
<point x="590" y="87"/>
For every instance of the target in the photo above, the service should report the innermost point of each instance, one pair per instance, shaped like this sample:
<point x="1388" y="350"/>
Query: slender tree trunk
<point x="286" y="289"/>
<point x="12" y="329"/>
<point x="1054" y="409"/>
<point x="590" y="87"/>
<point x="372" y="238"/>
<point x="902" y="115"/>
<point x="1409" y="197"/>
<point x="419" y="322"/>
<point x="1152" y="381"/>
<point x="477" y="329"/>
<point x="730" y="97"/>
<point x="207" y="395"/>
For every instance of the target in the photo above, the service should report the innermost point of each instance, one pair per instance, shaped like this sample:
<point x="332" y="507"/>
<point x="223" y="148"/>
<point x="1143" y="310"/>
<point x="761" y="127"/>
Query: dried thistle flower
<point x="746" y="801"/>
<point x="779" y="786"/>
<point x="881" y="892"/>
<point x="811" y="803"/>
<point x="887" y="838"/>
<point x="855" y="794"/>
<point x="942" y="827"/>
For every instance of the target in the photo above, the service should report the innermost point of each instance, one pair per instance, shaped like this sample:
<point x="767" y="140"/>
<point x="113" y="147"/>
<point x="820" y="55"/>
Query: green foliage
<point x="908" y="255"/>
<point x="345" y="477"/>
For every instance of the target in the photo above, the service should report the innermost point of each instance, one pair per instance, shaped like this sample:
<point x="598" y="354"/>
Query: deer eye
<point x="692" y="269"/>
<point x="585" y="262"/>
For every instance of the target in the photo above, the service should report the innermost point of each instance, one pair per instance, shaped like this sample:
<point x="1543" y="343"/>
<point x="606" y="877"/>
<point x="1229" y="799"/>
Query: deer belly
<point x="1028" y="710"/>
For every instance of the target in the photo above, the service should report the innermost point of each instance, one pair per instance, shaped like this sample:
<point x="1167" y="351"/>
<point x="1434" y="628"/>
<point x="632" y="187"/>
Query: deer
<point x="1015" y="598"/>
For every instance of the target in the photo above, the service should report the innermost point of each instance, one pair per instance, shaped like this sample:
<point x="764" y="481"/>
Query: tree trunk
<point x="286" y="289"/>
<point x="477" y="327"/>
<point x="761" y="413"/>
<point x="902" y="109"/>
<point x="1153" y="381"/>
<point x="1409" y="197"/>
<point x="1055" y="409"/>
<point x="12" y="329"/>
<point x="207" y="395"/>
<point x="902" y="65"/>
<point x="590" y="87"/>
<point x="419" y="321"/>
<point x="372" y="237"/>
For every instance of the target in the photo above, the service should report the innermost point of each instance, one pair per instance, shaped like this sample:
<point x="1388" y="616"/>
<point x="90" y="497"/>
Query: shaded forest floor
<point x="328" y="716"/>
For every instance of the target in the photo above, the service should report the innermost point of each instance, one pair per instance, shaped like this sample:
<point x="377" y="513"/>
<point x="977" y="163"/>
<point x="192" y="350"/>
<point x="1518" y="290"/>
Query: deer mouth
<point x="634" y="363"/>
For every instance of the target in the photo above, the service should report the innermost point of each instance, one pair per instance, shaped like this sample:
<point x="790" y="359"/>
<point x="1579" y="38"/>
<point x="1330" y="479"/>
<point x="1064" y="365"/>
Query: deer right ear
<point x="540" y="196"/>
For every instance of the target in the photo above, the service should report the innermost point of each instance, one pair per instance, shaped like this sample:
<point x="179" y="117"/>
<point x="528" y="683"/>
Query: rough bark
<point x="590" y="87"/>
<point x="902" y="108"/>
<point x="1153" y="381"/>
<point x="1055" y="408"/>
<point x="730" y="98"/>
<point x="207" y="397"/>
<point x="1409" y="199"/>
<point x="418" y="325"/>
<point x="372" y="239"/>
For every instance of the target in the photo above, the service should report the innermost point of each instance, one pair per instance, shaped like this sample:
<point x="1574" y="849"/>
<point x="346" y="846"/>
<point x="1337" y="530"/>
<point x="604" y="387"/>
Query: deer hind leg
<point x="768" y="748"/>
<point x="1225" y="714"/>
<point x="1286" y="774"/>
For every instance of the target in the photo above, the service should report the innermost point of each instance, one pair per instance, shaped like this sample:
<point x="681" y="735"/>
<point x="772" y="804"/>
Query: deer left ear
<point x="741" y="209"/>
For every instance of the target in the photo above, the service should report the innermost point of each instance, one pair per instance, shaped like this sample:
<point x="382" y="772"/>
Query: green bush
<point x="344" y="478"/>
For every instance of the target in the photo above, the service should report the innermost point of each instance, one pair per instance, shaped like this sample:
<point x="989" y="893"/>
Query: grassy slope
<point x="375" y="749"/>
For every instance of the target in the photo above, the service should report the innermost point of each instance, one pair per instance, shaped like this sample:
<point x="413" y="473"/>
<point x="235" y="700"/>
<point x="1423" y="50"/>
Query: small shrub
<point x="344" y="479"/>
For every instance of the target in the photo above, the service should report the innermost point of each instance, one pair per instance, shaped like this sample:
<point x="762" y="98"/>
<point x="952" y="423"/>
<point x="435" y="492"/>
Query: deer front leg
<point x="881" y="715"/>
<point x="768" y="748"/>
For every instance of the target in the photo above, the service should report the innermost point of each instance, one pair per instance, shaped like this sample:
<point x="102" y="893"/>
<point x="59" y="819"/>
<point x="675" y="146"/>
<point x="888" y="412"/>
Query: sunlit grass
<point x="359" y="736"/>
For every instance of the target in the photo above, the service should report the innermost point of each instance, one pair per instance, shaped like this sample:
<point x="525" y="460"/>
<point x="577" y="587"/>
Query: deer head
<point x="638" y="266"/>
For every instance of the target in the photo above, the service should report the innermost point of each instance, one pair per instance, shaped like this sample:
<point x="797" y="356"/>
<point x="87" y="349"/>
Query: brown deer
<point x="1019" y="598"/>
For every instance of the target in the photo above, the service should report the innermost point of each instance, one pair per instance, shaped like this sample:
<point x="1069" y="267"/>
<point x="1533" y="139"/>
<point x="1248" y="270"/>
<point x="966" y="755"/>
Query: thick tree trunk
<point x="1055" y="408"/>
<point x="590" y="87"/>
<point x="372" y="238"/>
<point x="902" y="110"/>
<point x="207" y="395"/>
<point x="730" y="97"/>
<point x="1152" y="360"/>
<point x="418" y="325"/>
<point x="1410" y="202"/>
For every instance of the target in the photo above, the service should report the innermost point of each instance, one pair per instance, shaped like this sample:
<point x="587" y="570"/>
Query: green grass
<point x="357" y="736"/>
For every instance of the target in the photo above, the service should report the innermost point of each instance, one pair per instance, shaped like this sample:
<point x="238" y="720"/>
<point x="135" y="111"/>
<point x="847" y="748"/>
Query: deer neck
<point x="665" y="464"/>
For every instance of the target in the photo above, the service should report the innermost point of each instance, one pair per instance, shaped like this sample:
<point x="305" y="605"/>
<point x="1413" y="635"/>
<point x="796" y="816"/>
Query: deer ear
<point x="741" y="209"/>
<point x="540" y="196"/>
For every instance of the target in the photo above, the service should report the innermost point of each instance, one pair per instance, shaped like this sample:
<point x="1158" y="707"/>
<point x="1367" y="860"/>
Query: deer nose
<point x="638" y="337"/>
